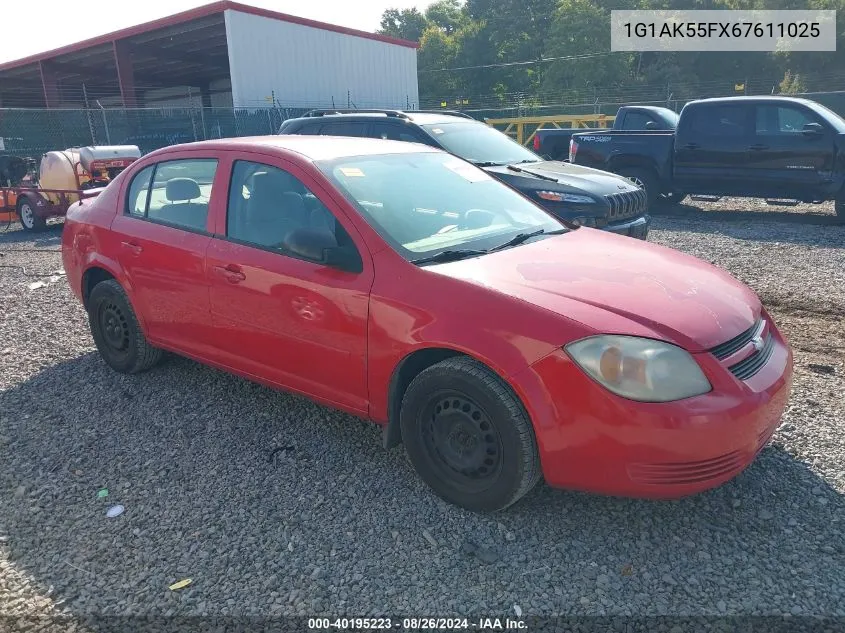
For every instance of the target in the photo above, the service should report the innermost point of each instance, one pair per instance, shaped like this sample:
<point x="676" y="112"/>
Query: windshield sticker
<point x="467" y="171"/>
<point x="437" y="130"/>
<point x="352" y="172"/>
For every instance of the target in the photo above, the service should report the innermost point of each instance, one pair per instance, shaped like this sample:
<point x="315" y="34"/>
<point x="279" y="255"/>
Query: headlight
<point x="559" y="196"/>
<point x="583" y="221"/>
<point x="639" y="368"/>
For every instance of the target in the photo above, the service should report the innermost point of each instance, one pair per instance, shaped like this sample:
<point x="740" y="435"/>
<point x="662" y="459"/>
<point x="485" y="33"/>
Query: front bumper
<point x="635" y="227"/>
<point x="593" y="440"/>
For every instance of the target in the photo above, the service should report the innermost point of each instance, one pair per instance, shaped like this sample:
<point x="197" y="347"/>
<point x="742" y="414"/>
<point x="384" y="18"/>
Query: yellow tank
<point x="58" y="170"/>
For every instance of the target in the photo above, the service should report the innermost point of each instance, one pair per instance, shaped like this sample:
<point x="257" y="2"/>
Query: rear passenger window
<point x="136" y="203"/>
<point x="266" y="204"/>
<point x="395" y="132"/>
<point x="345" y="128"/>
<point x="636" y="121"/>
<point x="180" y="193"/>
<point x="720" y="120"/>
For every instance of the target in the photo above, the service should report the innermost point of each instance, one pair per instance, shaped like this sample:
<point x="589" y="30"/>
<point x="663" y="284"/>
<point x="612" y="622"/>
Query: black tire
<point x="644" y="178"/>
<point x="839" y="206"/>
<point x="672" y="199"/>
<point x="116" y="330"/>
<point x="468" y="436"/>
<point x="29" y="220"/>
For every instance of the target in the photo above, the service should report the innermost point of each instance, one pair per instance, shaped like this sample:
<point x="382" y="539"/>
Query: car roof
<point x="309" y="146"/>
<point x="752" y="98"/>
<point x="420" y="118"/>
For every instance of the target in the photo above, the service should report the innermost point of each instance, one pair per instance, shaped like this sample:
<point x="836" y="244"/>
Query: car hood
<point x="614" y="284"/>
<point x="569" y="176"/>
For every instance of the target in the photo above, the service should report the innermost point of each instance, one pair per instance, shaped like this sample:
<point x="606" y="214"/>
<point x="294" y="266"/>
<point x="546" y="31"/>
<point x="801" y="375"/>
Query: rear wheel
<point x="671" y="199"/>
<point x="29" y="220"/>
<point x="116" y="330"/>
<point x="468" y="436"/>
<point x="839" y="206"/>
<point x="645" y="179"/>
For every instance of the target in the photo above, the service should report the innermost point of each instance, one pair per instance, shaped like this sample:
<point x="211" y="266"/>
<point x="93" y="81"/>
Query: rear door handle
<point x="758" y="148"/>
<point x="134" y="248"/>
<point x="231" y="273"/>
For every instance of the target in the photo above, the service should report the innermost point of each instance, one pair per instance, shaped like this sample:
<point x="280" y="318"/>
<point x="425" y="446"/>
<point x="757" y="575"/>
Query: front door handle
<point x="691" y="146"/>
<point x="133" y="247"/>
<point x="231" y="273"/>
<point x="758" y="148"/>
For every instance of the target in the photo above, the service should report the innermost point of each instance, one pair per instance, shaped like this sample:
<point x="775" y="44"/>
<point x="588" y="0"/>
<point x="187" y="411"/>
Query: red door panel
<point x="299" y="324"/>
<point x="166" y="269"/>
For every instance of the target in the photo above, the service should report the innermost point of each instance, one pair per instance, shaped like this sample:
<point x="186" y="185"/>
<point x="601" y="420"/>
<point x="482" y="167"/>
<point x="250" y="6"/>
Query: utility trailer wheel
<point x="29" y="220"/>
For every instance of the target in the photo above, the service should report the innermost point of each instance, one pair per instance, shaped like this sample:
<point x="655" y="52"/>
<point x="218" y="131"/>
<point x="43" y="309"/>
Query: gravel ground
<point x="333" y="524"/>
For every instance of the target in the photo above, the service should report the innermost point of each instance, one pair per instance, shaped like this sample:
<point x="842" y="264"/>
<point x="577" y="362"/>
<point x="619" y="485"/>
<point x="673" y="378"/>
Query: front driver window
<point x="267" y="203"/>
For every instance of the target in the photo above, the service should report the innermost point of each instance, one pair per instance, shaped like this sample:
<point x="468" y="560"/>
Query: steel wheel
<point x="468" y="435"/>
<point x="27" y="216"/>
<point x="115" y="328"/>
<point x="462" y="443"/>
<point x="29" y="220"/>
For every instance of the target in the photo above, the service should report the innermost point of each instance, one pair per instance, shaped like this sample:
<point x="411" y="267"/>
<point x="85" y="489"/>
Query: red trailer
<point x="64" y="178"/>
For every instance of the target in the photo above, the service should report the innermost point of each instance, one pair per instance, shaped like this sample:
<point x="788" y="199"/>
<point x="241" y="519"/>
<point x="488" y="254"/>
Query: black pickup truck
<point x="554" y="142"/>
<point x="782" y="149"/>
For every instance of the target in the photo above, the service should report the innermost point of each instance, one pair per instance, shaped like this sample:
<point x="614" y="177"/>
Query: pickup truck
<point x="554" y="142"/>
<point x="782" y="149"/>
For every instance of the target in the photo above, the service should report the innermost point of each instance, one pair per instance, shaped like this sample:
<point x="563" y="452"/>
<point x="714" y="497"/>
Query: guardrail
<point x="518" y="127"/>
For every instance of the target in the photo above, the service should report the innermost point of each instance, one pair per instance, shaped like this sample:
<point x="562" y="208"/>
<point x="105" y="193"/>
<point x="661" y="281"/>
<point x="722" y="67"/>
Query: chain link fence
<point x="32" y="132"/>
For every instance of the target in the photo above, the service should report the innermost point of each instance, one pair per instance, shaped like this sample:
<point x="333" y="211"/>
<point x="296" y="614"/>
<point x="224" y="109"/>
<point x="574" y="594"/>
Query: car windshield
<point x="479" y="143"/>
<point x="424" y="203"/>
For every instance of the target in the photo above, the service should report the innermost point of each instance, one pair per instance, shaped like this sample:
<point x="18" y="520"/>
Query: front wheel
<point x="116" y="330"/>
<point x="468" y="436"/>
<point x="646" y="180"/>
<point x="29" y="220"/>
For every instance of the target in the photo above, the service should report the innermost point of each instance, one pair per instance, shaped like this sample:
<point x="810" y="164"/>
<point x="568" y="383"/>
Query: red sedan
<point x="401" y="284"/>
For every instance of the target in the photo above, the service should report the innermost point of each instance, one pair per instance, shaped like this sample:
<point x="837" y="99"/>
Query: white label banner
<point x="760" y="30"/>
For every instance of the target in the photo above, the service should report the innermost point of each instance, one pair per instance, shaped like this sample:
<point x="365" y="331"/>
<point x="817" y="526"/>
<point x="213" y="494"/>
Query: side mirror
<point x="651" y="125"/>
<point x="813" y="129"/>
<point x="320" y="246"/>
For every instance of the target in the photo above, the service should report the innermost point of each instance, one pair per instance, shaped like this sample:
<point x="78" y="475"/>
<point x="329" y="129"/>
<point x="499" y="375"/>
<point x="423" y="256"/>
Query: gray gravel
<point x="333" y="524"/>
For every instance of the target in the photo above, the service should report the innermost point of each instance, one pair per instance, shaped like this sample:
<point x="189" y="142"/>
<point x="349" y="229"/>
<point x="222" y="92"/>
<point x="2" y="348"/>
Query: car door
<point x="297" y="323"/>
<point x="786" y="158"/>
<point x="162" y="235"/>
<point x="711" y="149"/>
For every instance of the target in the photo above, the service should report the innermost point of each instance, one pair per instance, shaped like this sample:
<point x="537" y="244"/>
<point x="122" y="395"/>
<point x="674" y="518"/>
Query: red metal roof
<point x="192" y="14"/>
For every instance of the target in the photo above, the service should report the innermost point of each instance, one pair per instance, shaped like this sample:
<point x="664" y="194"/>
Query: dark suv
<point x="581" y="195"/>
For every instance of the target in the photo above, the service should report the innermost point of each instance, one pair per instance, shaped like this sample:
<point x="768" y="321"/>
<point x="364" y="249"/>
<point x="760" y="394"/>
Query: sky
<point x="62" y="22"/>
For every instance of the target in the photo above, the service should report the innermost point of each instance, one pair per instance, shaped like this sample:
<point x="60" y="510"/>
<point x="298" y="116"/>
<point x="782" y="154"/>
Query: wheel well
<point x="91" y="278"/>
<point x="408" y="369"/>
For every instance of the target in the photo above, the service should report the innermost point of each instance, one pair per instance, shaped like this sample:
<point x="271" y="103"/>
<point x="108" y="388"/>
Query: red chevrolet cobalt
<point x="401" y="284"/>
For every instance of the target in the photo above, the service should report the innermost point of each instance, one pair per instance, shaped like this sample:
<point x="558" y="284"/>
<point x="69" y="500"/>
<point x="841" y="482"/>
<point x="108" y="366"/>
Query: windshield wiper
<point x="519" y="238"/>
<point x="449" y="256"/>
<point x="533" y="173"/>
<point x="486" y="163"/>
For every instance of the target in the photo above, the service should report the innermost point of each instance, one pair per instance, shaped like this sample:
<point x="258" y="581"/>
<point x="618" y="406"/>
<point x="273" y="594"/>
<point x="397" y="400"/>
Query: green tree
<point x="447" y="15"/>
<point x="580" y="28"/>
<point x="407" y="24"/>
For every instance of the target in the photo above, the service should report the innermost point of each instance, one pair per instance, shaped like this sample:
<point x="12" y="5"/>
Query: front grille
<point x="626" y="204"/>
<point x="732" y="346"/>
<point x="747" y="367"/>
<point x="680" y="473"/>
